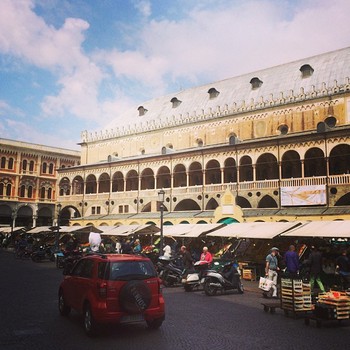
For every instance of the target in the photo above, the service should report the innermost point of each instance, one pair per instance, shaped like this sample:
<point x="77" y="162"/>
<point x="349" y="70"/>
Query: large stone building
<point x="28" y="181"/>
<point x="273" y="145"/>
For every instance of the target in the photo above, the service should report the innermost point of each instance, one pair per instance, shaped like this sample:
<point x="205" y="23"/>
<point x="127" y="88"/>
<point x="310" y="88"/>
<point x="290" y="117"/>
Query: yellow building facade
<point x="273" y="145"/>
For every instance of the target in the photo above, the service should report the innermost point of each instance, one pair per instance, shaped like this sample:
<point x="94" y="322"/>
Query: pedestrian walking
<point x="271" y="269"/>
<point x="315" y="263"/>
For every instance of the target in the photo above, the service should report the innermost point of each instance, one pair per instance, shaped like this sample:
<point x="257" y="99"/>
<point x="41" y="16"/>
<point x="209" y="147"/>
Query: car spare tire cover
<point x="135" y="297"/>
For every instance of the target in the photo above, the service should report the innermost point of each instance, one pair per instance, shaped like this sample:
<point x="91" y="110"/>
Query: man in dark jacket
<point x="186" y="258"/>
<point x="292" y="261"/>
<point x="315" y="262"/>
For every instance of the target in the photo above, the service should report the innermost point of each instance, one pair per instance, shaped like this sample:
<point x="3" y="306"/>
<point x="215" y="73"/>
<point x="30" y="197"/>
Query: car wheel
<point x="155" y="324"/>
<point x="208" y="289"/>
<point x="135" y="297"/>
<point x="90" y="325"/>
<point x="63" y="308"/>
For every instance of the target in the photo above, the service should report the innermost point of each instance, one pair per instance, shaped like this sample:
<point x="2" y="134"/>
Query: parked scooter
<point x="195" y="278"/>
<point x="42" y="252"/>
<point x="170" y="270"/>
<point x="228" y="278"/>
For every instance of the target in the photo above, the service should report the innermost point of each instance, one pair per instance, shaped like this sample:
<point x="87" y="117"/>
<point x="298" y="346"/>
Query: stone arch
<point x="5" y="214"/>
<point x="25" y="216"/>
<point x="195" y="174"/>
<point x="344" y="200"/>
<point x="243" y="202"/>
<point x="64" y="186"/>
<point x="180" y="178"/>
<point x="68" y="213"/>
<point x="339" y="160"/>
<point x="147" y="179"/>
<point x="168" y="223"/>
<point x="186" y="205"/>
<point x="91" y="184"/>
<point x="291" y="165"/>
<point x="184" y="222"/>
<point x="77" y="185"/>
<point x="44" y="217"/>
<point x="132" y="180"/>
<point x="267" y="167"/>
<point x="201" y="222"/>
<point x="314" y="163"/>
<point x="212" y="204"/>
<point x="118" y="182"/>
<point x="163" y="177"/>
<point x="212" y="172"/>
<point x="104" y="183"/>
<point x="267" y="202"/>
<point x="230" y="171"/>
<point x="147" y="208"/>
<point x="245" y="169"/>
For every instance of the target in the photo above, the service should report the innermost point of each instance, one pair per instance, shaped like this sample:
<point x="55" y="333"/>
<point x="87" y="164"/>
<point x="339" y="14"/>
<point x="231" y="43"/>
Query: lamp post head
<point x="161" y="195"/>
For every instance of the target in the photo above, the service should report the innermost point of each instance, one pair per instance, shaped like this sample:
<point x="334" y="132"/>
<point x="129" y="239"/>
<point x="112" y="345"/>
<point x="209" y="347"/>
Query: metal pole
<point x="161" y="229"/>
<point x="58" y="227"/>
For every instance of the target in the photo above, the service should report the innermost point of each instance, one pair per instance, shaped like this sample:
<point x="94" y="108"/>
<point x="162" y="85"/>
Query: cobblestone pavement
<point x="30" y="319"/>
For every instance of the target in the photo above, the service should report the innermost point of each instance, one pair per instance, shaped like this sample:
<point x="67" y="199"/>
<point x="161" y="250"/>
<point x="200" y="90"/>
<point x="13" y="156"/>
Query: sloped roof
<point x="330" y="69"/>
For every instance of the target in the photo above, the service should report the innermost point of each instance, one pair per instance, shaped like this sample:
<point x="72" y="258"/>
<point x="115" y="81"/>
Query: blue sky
<point x="73" y="65"/>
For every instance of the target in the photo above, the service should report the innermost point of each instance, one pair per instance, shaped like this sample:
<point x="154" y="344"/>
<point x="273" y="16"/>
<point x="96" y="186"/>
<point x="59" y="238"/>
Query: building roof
<point x="325" y="74"/>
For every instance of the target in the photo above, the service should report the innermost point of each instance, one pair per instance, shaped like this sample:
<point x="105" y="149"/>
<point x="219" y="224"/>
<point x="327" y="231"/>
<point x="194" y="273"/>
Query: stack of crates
<point x="333" y="305"/>
<point x="295" y="295"/>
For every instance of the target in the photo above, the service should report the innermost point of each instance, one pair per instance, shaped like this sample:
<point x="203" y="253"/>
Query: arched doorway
<point x="25" y="216"/>
<point x="245" y="169"/>
<point x="314" y="163"/>
<point x="132" y="180"/>
<point x="104" y="183"/>
<point x="180" y="178"/>
<point x="212" y="204"/>
<point x="266" y="167"/>
<point x="212" y="172"/>
<point x="195" y="174"/>
<point x="91" y="184"/>
<point x="147" y="179"/>
<point x="339" y="160"/>
<point x="267" y="202"/>
<point x="230" y="171"/>
<point x="118" y="182"/>
<point x="163" y="177"/>
<point x="44" y="217"/>
<point x="187" y="204"/>
<point x="291" y="165"/>
<point x="243" y="202"/>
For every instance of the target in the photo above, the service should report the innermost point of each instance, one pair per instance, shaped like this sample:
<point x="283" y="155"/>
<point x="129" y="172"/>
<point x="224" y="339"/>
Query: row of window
<point x="46" y="168"/>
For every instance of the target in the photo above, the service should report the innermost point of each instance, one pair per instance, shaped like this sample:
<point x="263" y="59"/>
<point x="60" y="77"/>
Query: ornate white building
<point x="271" y="145"/>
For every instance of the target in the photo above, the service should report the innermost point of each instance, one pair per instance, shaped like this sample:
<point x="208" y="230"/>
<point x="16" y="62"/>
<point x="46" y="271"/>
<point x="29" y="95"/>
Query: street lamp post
<point x="59" y="207"/>
<point x="161" y="195"/>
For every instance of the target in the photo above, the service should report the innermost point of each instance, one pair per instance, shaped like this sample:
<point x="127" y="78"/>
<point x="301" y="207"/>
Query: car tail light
<point x="102" y="290"/>
<point x="160" y="282"/>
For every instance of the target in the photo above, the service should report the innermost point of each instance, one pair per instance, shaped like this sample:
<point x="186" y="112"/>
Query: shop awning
<point x="9" y="229"/>
<point x="329" y="229"/>
<point x="189" y="230"/>
<point x="40" y="229"/>
<point x="77" y="229"/>
<point x="126" y="230"/>
<point x="258" y="230"/>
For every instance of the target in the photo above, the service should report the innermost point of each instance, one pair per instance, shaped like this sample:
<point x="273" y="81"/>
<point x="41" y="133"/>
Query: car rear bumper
<point x="103" y="315"/>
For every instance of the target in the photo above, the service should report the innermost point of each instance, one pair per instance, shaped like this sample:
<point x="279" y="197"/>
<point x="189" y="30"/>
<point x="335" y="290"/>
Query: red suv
<point x="113" y="288"/>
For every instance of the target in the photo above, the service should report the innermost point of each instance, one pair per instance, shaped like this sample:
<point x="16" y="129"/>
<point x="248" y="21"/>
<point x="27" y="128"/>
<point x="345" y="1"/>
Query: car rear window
<point x="126" y="270"/>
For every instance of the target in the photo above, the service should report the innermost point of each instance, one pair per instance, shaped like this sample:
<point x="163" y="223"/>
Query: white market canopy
<point x="258" y="230"/>
<point x="40" y="229"/>
<point x="9" y="229"/>
<point x="126" y="230"/>
<point x="188" y="230"/>
<point x="325" y="229"/>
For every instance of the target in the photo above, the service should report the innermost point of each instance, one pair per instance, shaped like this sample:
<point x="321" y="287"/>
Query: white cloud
<point x="144" y="7"/>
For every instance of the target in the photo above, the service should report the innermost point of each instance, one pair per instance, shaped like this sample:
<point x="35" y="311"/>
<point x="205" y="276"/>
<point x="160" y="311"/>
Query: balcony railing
<point x="214" y="188"/>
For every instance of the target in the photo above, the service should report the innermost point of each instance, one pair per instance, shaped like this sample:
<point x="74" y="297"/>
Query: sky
<point x="72" y="65"/>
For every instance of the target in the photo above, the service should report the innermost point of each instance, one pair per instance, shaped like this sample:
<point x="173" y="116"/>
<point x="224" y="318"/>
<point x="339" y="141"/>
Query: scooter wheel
<point x="208" y="289"/>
